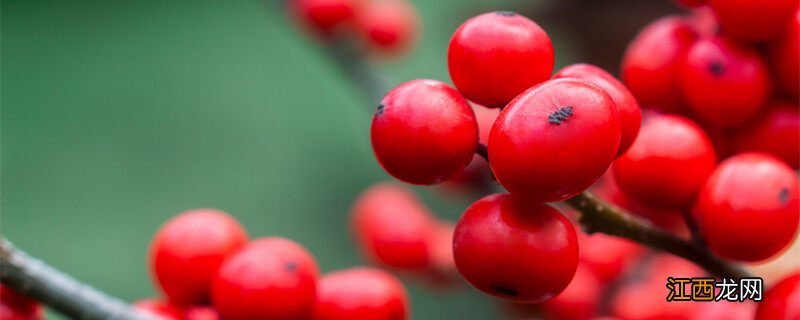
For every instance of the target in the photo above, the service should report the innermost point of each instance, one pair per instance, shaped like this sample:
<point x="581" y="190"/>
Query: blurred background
<point x="116" y="115"/>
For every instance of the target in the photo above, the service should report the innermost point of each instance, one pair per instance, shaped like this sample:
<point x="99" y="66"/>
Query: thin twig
<point x="35" y="279"/>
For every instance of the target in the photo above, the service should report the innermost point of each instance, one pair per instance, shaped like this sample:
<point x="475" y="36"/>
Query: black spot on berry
<point x="290" y="266"/>
<point x="560" y="115"/>
<point x="505" y="290"/>
<point x="716" y="68"/>
<point x="506" y="13"/>
<point x="783" y="196"/>
<point x="379" y="111"/>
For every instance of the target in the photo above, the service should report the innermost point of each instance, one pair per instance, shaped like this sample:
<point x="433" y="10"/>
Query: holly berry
<point x="388" y="26"/>
<point x="202" y="313"/>
<point x="14" y="306"/>
<point x="476" y="176"/>
<point x="423" y="132"/>
<point x="753" y="20"/>
<point x="515" y="249"/>
<point x="725" y="84"/>
<point x="627" y="107"/>
<point x="360" y="294"/>
<point x="651" y="63"/>
<point x="668" y="163"/>
<point x="555" y="140"/>
<point x="782" y="301"/>
<point x="495" y="56"/>
<point x="158" y="308"/>
<point x="607" y="257"/>
<point x="392" y="227"/>
<point x="749" y="209"/>
<point x="579" y="301"/>
<point x="776" y="133"/>
<point x="270" y="278"/>
<point x="187" y="251"/>
<point x="784" y="56"/>
<point x="324" y="17"/>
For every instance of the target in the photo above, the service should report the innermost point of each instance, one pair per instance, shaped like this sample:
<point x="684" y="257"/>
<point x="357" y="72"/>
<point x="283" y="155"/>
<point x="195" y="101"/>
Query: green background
<point x="116" y="115"/>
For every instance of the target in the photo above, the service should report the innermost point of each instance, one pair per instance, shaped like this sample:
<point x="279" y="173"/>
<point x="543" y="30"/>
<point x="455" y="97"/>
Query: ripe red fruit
<point x="782" y="301"/>
<point x="495" y="56"/>
<point x="777" y="132"/>
<point x="607" y="257"/>
<point x="476" y="176"/>
<point x="692" y="3"/>
<point x="187" y="251"/>
<point x="749" y="208"/>
<point x="202" y="313"/>
<point x="651" y="63"/>
<point x="555" y="140"/>
<point x="158" y="308"/>
<point x="753" y="20"/>
<point x="392" y="227"/>
<point x="784" y="56"/>
<point x="628" y="109"/>
<point x="324" y="17"/>
<point x="423" y="132"/>
<point x="360" y="294"/>
<point x="725" y="84"/>
<point x="388" y="26"/>
<point x="579" y="301"/>
<point x="668" y="163"/>
<point x="270" y="278"/>
<point x="14" y="306"/>
<point x="515" y="249"/>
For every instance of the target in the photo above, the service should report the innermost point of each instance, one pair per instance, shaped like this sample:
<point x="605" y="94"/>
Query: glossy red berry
<point x="324" y="17"/>
<point x="668" y="163"/>
<point x="515" y="249"/>
<point x="651" y="63"/>
<point x="161" y="309"/>
<point x="749" y="208"/>
<point x="495" y="56"/>
<point x="360" y="294"/>
<point x="187" y="251"/>
<point x="753" y="20"/>
<point x="423" y="132"/>
<point x="784" y="54"/>
<point x="777" y="132"/>
<point x="724" y="83"/>
<point x="270" y="278"/>
<point x="388" y="26"/>
<point x="782" y="301"/>
<point x="555" y="140"/>
<point x="579" y="301"/>
<point x="14" y="306"/>
<point x="628" y="109"/>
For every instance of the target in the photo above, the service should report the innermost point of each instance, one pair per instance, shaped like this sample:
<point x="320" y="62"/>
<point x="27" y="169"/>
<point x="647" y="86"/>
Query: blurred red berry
<point x="692" y="3"/>
<point x="579" y="301"/>
<point x="185" y="254"/>
<point x="324" y="17"/>
<point x="360" y="294"/>
<point x="202" y="313"/>
<point x="607" y="257"/>
<point x="158" y="308"/>
<point x="515" y="249"/>
<point x="423" y="132"/>
<point x="388" y="26"/>
<point x="270" y="278"/>
<point x="668" y="163"/>
<point x="652" y="60"/>
<point x="725" y="84"/>
<point x="777" y="132"/>
<point x="749" y="208"/>
<point x="750" y="20"/>
<point x="628" y="109"/>
<point x="782" y="301"/>
<point x="785" y="59"/>
<point x="495" y="56"/>
<point x="555" y="140"/>
<point x="14" y="306"/>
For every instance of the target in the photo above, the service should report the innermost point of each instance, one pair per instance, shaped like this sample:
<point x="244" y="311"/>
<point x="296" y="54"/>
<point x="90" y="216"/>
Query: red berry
<point x="388" y="26"/>
<point x="423" y="132"/>
<point x="668" y="163"/>
<point x="392" y="227"/>
<point x="555" y="140"/>
<point x="692" y="3"/>
<point x="495" y="56"/>
<point x="158" y="308"/>
<point x="202" y="313"/>
<point x="607" y="257"/>
<point x="187" y="251"/>
<point x="14" y="306"/>
<point x="753" y="20"/>
<point x="579" y="301"/>
<point x="515" y="249"/>
<point x="651" y="63"/>
<point x="627" y="107"/>
<point x="324" y="17"/>
<point x="360" y="294"/>
<point x="749" y="208"/>
<point x="782" y="301"/>
<point x="476" y="176"/>
<point x="724" y="310"/>
<point x="725" y="84"/>
<point x="785" y="59"/>
<point x="270" y="278"/>
<point x="776" y="132"/>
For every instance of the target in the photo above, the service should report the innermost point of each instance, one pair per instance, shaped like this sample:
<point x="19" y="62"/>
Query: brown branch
<point x="35" y="279"/>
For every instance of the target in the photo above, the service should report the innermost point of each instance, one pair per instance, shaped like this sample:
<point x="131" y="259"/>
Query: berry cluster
<point x="382" y="27"/>
<point x="14" y="306"/>
<point x="207" y="269"/>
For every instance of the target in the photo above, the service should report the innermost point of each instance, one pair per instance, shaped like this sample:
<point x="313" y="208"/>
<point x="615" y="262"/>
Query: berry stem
<point x="35" y="279"/>
<point x="483" y="151"/>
